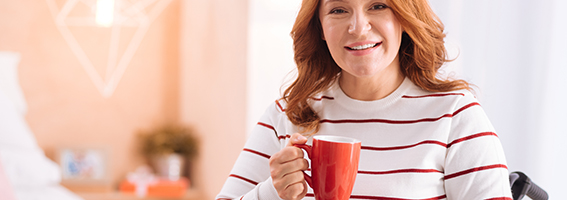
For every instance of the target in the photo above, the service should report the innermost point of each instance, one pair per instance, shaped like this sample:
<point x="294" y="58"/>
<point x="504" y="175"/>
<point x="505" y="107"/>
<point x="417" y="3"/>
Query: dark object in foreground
<point x="522" y="185"/>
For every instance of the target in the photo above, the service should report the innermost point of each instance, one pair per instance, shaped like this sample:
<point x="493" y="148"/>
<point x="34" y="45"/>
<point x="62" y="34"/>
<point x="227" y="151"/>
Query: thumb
<point x="297" y="138"/>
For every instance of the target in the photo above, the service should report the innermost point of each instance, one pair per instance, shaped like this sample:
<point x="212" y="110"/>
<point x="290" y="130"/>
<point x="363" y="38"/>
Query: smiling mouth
<point x="363" y="47"/>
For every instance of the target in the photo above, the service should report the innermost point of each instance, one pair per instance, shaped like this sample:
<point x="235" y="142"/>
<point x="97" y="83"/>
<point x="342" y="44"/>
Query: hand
<point x="286" y="168"/>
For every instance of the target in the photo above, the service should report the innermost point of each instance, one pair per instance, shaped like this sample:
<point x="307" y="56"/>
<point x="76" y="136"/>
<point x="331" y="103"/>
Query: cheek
<point x="332" y="34"/>
<point x="392" y="31"/>
<point x="395" y="28"/>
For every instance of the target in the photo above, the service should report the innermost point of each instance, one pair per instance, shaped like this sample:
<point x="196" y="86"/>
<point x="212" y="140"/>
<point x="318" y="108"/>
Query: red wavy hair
<point x="421" y="54"/>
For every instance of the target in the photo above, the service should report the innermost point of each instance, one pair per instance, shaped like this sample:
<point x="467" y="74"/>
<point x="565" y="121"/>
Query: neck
<point x="372" y="88"/>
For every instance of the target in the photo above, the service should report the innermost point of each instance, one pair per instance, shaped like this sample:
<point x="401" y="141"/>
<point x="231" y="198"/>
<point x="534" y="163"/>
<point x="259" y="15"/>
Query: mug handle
<point x="307" y="149"/>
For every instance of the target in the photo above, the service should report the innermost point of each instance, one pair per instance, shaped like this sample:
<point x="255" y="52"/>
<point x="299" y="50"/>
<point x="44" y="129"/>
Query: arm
<point x="475" y="166"/>
<point x="251" y="176"/>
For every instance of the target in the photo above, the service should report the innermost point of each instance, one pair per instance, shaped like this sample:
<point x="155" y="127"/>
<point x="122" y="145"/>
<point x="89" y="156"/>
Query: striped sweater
<point x="415" y="145"/>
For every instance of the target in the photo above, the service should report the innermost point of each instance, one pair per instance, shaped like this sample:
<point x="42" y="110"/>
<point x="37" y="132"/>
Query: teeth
<point x="361" y="47"/>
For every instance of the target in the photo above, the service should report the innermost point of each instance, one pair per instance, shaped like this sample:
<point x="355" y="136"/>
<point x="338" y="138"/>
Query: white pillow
<point x="29" y="168"/>
<point x="5" y="187"/>
<point x="9" y="82"/>
<point x="52" y="192"/>
<point x="23" y="160"/>
<point x="14" y="131"/>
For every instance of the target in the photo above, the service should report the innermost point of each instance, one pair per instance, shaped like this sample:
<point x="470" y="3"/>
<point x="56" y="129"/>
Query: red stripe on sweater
<point x="280" y="106"/>
<point x="257" y="153"/>
<point x="267" y="126"/>
<point x="383" y="198"/>
<point x="244" y="179"/>
<point x="500" y="198"/>
<point x="403" y="147"/>
<point x="465" y="107"/>
<point x="283" y="137"/>
<point x="270" y="127"/>
<point x="280" y="137"/>
<point x="470" y="137"/>
<point x="388" y="121"/>
<point x="476" y="169"/>
<point x="401" y="171"/>
<point x="432" y="95"/>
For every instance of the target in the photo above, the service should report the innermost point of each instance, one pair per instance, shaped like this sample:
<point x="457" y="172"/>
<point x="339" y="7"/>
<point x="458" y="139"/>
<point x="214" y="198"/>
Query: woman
<point x="367" y="69"/>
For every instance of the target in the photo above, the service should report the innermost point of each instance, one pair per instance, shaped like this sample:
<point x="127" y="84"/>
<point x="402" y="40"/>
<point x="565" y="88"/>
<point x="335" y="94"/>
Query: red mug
<point x="334" y="165"/>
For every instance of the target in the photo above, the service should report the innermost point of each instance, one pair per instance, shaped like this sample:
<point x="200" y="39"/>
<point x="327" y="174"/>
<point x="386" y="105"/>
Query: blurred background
<point x="95" y="77"/>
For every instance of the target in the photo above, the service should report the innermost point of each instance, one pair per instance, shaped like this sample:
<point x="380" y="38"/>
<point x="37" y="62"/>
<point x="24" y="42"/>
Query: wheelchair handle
<point x="522" y="185"/>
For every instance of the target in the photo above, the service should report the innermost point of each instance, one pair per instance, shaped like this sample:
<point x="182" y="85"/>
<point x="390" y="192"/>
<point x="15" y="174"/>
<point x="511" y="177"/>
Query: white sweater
<point x="415" y="145"/>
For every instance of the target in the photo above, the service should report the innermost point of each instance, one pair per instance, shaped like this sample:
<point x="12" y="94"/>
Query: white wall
<point x="514" y="51"/>
<point x="270" y="53"/>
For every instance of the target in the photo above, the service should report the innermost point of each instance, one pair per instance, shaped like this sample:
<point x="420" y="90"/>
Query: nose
<point x="359" y="24"/>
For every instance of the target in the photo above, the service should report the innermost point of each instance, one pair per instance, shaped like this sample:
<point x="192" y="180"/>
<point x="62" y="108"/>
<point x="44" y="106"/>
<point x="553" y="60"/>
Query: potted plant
<point x="169" y="148"/>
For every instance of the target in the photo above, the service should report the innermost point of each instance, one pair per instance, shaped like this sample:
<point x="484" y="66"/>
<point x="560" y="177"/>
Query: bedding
<point x="25" y="169"/>
<point x="9" y="82"/>
<point x="5" y="187"/>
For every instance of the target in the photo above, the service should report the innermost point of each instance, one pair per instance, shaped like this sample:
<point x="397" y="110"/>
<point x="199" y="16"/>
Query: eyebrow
<point x="329" y="1"/>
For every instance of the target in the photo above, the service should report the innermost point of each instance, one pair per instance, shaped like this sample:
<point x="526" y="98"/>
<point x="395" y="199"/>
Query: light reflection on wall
<point x="104" y="12"/>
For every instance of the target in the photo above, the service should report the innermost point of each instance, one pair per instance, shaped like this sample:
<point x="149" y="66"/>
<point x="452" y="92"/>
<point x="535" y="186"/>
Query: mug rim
<point x="336" y="138"/>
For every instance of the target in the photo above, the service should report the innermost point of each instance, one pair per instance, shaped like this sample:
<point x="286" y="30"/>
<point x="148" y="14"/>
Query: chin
<point x="365" y="71"/>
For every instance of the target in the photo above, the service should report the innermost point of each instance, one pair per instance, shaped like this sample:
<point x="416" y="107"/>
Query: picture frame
<point x="83" y="165"/>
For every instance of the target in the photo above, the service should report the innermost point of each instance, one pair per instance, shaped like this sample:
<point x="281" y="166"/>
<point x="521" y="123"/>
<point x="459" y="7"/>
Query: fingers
<point x="296" y="138"/>
<point x="287" y="154"/>
<point x="292" y="191"/>
<point x="280" y="170"/>
<point x="286" y="168"/>
<point x="287" y="177"/>
<point x="292" y="186"/>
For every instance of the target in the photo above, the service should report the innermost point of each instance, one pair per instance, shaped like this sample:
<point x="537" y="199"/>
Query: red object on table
<point x="162" y="188"/>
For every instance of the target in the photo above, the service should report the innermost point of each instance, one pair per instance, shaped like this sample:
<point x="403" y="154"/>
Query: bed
<point x="25" y="172"/>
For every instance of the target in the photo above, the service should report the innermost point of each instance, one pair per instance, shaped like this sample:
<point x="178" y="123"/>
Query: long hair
<point x="421" y="54"/>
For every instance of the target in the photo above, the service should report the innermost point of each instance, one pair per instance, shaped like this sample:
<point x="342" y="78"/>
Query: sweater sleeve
<point x="475" y="166"/>
<point x="250" y="175"/>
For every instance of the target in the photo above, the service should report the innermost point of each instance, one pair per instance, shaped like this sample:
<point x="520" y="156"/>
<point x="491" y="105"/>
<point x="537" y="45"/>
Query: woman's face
<point x="363" y="36"/>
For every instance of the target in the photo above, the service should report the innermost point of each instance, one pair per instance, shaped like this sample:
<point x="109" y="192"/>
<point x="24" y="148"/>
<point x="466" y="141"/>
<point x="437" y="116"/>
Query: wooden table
<point x="190" y="195"/>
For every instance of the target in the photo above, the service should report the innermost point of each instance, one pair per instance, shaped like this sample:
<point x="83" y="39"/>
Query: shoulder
<point x="456" y="105"/>
<point x="279" y="106"/>
<point x="275" y="118"/>
<point x="275" y="111"/>
<point x="453" y="100"/>
<point x="463" y="110"/>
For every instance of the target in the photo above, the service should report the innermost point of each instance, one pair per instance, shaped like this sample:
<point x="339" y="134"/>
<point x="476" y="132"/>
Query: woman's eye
<point x="379" y="7"/>
<point x="337" y="11"/>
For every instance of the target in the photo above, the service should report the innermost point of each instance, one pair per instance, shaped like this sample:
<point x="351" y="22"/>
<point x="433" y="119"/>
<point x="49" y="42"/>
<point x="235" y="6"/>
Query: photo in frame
<point x="83" y="165"/>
